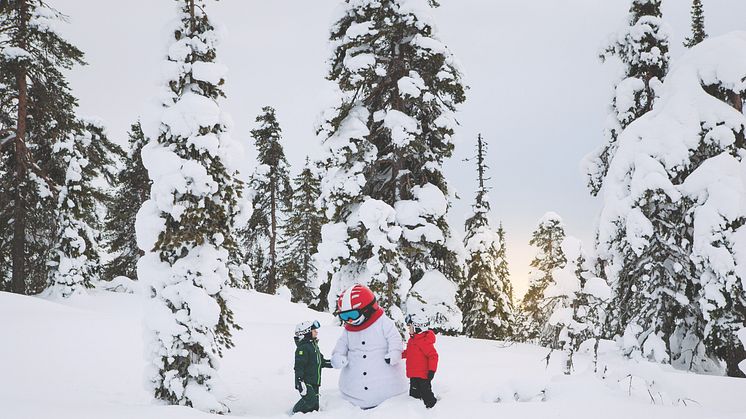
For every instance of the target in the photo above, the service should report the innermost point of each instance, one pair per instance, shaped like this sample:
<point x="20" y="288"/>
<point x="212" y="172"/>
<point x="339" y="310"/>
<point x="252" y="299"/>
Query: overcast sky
<point x="538" y="92"/>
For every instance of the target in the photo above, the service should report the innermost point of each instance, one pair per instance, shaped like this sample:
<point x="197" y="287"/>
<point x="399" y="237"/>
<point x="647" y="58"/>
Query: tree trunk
<point x="737" y="103"/>
<point x="272" y="279"/>
<point x="18" y="279"/>
<point x="733" y="357"/>
<point x="191" y="15"/>
<point x="568" y="362"/>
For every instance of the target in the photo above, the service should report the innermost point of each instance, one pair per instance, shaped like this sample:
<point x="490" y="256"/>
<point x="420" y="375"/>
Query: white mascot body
<point x="366" y="379"/>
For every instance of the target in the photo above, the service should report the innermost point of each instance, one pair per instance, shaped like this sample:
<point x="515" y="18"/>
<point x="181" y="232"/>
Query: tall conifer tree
<point x="133" y="188"/>
<point x="301" y="236"/>
<point x="186" y="228"/>
<point x="384" y="190"/>
<point x="486" y="294"/>
<point x="38" y="111"/>
<point x="535" y="306"/>
<point x="643" y="49"/>
<point x="669" y="227"/>
<point x="578" y="299"/>
<point x="89" y="158"/>
<point x="698" y="25"/>
<point x="272" y="195"/>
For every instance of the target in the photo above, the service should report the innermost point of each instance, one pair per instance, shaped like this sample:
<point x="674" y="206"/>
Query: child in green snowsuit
<point x="308" y="364"/>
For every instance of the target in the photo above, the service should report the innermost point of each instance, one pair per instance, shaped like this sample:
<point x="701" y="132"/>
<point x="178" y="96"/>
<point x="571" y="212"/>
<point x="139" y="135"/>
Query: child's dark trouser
<point x="421" y="388"/>
<point x="309" y="402"/>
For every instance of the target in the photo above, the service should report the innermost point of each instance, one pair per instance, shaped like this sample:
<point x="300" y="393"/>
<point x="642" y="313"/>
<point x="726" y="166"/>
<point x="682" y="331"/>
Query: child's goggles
<point x="350" y="315"/>
<point x="307" y="328"/>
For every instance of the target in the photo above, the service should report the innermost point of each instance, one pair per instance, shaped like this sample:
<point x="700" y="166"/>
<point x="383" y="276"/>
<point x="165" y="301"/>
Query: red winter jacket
<point x="421" y="355"/>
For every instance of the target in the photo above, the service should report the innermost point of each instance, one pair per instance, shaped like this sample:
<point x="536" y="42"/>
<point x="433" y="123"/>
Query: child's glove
<point x="326" y="363"/>
<point x="388" y="360"/>
<point x="430" y="375"/>
<point x="301" y="387"/>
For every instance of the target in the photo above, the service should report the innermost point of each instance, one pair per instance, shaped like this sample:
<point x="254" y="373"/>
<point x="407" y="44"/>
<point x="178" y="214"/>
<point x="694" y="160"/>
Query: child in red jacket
<point x="422" y="360"/>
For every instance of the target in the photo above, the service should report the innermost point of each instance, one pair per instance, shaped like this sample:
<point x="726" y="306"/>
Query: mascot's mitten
<point x="393" y="358"/>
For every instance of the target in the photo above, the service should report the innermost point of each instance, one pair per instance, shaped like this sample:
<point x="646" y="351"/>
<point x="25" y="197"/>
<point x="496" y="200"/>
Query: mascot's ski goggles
<point x="350" y="315"/>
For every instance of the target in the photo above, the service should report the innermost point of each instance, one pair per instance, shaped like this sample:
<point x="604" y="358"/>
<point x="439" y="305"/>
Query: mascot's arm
<point x="394" y="341"/>
<point x="339" y="355"/>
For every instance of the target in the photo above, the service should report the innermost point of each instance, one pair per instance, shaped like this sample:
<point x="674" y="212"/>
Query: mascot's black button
<point x="365" y="356"/>
<point x="365" y="373"/>
<point x="366" y="388"/>
<point x="363" y="342"/>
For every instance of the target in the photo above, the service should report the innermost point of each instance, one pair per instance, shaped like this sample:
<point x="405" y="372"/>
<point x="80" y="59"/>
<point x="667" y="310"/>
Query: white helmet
<point x="304" y="328"/>
<point x="419" y="321"/>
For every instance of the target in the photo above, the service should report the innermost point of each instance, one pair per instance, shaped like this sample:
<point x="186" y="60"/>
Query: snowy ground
<point x="83" y="359"/>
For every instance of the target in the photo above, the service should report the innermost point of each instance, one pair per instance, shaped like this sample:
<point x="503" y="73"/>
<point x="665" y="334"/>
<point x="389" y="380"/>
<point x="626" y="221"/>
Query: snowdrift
<point x="83" y="359"/>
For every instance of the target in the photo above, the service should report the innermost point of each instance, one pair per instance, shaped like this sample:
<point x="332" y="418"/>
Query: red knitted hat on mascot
<point x="359" y="297"/>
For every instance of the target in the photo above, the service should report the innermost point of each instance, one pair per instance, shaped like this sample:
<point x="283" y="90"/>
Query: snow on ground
<point x="83" y="359"/>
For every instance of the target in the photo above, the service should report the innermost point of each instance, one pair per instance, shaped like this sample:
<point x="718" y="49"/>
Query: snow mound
<point x="434" y="296"/>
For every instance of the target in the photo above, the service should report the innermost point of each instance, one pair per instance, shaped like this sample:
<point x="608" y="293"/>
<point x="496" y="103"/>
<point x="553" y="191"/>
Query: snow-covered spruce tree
<point x="38" y="111"/>
<point x="270" y="183"/>
<point x="386" y="142"/>
<point x="186" y="228"/>
<point x="535" y="307"/>
<point x="503" y="272"/>
<point x="698" y="25"/>
<point x="486" y="295"/>
<point x="349" y="157"/>
<point x="133" y="188"/>
<point x="301" y="235"/>
<point x="670" y="228"/>
<point x="76" y="255"/>
<point x="719" y="226"/>
<point x="653" y="285"/>
<point x="643" y="49"/>
<point x="578" y="298"/>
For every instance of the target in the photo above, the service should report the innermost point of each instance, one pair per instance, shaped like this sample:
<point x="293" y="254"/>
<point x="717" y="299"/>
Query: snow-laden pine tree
<point x="671" y="227"/>
<point x="502" y="270"/>
<point x="186" y="228"/>
<point x="301" y="235"/>
<point x="486" y="294"/>
<point x="698" y="25"/>
<point x="643" y="49"/>
<point x="272" y="192"/>
<point x="89" y="160"/>
<point x="719" y="220"/>
<point x="535" y="308"/>
<point x="578" y="298"/>
<point x="38" y="111"/>
<point x="384" y="191"/>
<point x="132" y="190"/>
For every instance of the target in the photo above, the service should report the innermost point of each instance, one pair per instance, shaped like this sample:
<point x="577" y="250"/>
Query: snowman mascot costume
<point x="368" y="352"/>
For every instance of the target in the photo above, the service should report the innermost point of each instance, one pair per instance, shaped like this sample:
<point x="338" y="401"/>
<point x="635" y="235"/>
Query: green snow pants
<point x="309" y="402"/>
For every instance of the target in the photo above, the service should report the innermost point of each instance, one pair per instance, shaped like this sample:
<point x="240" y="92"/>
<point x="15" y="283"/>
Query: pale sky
<point x="538" y="93"/>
